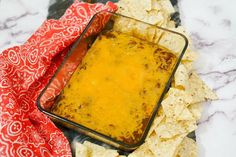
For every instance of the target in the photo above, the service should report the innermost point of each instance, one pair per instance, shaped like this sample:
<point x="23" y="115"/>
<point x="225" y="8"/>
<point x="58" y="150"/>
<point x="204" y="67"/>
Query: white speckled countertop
<point x="212" y="26"/>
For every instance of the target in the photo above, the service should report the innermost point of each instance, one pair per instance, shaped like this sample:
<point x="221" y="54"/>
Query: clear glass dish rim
<point x="155" y="110"/>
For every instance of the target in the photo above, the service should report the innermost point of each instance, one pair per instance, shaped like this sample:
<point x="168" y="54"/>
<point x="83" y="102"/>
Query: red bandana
<point x="24" y="72"/>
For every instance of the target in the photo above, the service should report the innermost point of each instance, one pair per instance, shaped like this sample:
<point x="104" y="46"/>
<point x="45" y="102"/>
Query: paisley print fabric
<point x="24" y="72"/>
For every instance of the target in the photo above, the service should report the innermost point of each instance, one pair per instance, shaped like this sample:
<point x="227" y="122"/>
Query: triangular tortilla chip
<point x="164" y="148"/>
<point x="188" y="148"/>
<point x="169" y="128"/>
<point x="142" y="151"/>
<point x="198" y="90"/>
<point x="95" y="150"/>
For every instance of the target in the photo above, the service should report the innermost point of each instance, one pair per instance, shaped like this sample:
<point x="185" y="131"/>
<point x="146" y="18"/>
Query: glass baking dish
<point x="123" y="45"/>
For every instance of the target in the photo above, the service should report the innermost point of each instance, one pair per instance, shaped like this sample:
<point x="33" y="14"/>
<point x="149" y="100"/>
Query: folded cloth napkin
<point x="24" y="72"/>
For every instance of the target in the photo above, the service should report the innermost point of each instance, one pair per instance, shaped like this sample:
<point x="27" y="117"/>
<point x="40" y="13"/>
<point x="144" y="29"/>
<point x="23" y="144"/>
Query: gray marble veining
<point x="212" y="26"/>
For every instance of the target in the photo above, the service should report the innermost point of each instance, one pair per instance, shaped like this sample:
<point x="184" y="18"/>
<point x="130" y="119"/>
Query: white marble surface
<point x="19" y="19"/>
<point x="212" y="25"/>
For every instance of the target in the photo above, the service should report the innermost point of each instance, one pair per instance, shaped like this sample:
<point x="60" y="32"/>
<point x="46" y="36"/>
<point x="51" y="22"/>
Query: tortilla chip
<point x="177" y="99"/>
<point x="188" y="65"/>
<point x="156" y="122"/>
<point x="143" y="11"/>
<point x="186" y="115"/>
<point x="187" y="148"/>
<point x="95" y="150"/>
<point x="183" y="31"/>
<point x="190" y="55"/>
<point x="166" y="6"/>
<point x="133" y="9"/>
<point x="181" y="77"/>
<point x="171" y="24"/>
<point x="164" y="148"/>
<point x="81" y="150"/>
<point x="169" y="128"/>
<point x="142" y="151"/>
<point x="137" y="29"/>
<point x="173" y="42"/>
<point x="155" y="5"/>
<point x="198" y="90"/>
<point x="146" y="4"/>
<point x="165" y="20"/>
<point x="122" y="6"/>
<point x="174" y="104"/>
<point x="196" y="110"/>
<point x="154" y="17"/>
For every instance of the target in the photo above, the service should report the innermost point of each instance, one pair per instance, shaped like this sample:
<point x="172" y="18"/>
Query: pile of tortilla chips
<point x="181" y="108"/>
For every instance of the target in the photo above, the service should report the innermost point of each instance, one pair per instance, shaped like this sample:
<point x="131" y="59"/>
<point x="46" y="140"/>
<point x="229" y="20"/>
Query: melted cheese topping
<point x="117" y="86"/>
